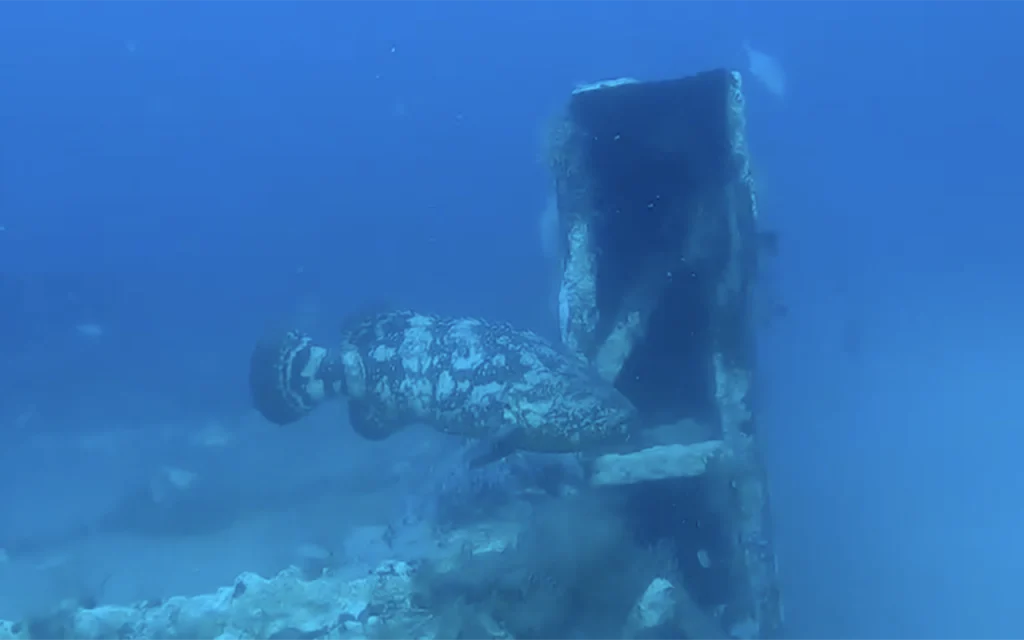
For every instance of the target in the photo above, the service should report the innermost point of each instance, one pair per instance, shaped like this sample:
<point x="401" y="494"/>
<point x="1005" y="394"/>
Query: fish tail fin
<point x="275" y="381"/>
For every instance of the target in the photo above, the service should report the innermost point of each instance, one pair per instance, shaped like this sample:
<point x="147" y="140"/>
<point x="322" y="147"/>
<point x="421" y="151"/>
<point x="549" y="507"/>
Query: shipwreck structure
<point x="659" y="227"/>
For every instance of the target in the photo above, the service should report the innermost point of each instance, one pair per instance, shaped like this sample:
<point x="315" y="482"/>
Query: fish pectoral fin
<point x="493" y="448"/>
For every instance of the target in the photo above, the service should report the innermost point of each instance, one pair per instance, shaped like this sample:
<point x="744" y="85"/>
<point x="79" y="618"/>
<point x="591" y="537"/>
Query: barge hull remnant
<point x="658" y="219"/>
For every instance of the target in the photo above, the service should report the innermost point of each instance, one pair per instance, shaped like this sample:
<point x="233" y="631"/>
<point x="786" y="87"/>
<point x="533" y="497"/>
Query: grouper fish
<point x="508" y="389"/>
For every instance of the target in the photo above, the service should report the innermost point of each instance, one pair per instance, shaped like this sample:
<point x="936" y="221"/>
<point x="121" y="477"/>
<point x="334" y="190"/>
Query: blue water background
<point x="182" y="177"/>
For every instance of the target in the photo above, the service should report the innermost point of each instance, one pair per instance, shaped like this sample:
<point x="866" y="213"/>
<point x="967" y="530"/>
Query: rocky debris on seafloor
<point x="380" y="604"/>
<point x="284" y="606"/>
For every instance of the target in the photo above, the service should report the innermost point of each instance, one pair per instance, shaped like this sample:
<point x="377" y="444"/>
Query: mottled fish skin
<point x="469" y="377"/>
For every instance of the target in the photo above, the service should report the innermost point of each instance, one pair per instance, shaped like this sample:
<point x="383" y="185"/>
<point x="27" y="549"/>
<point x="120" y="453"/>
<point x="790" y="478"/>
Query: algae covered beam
<point x="659" y="221"/>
